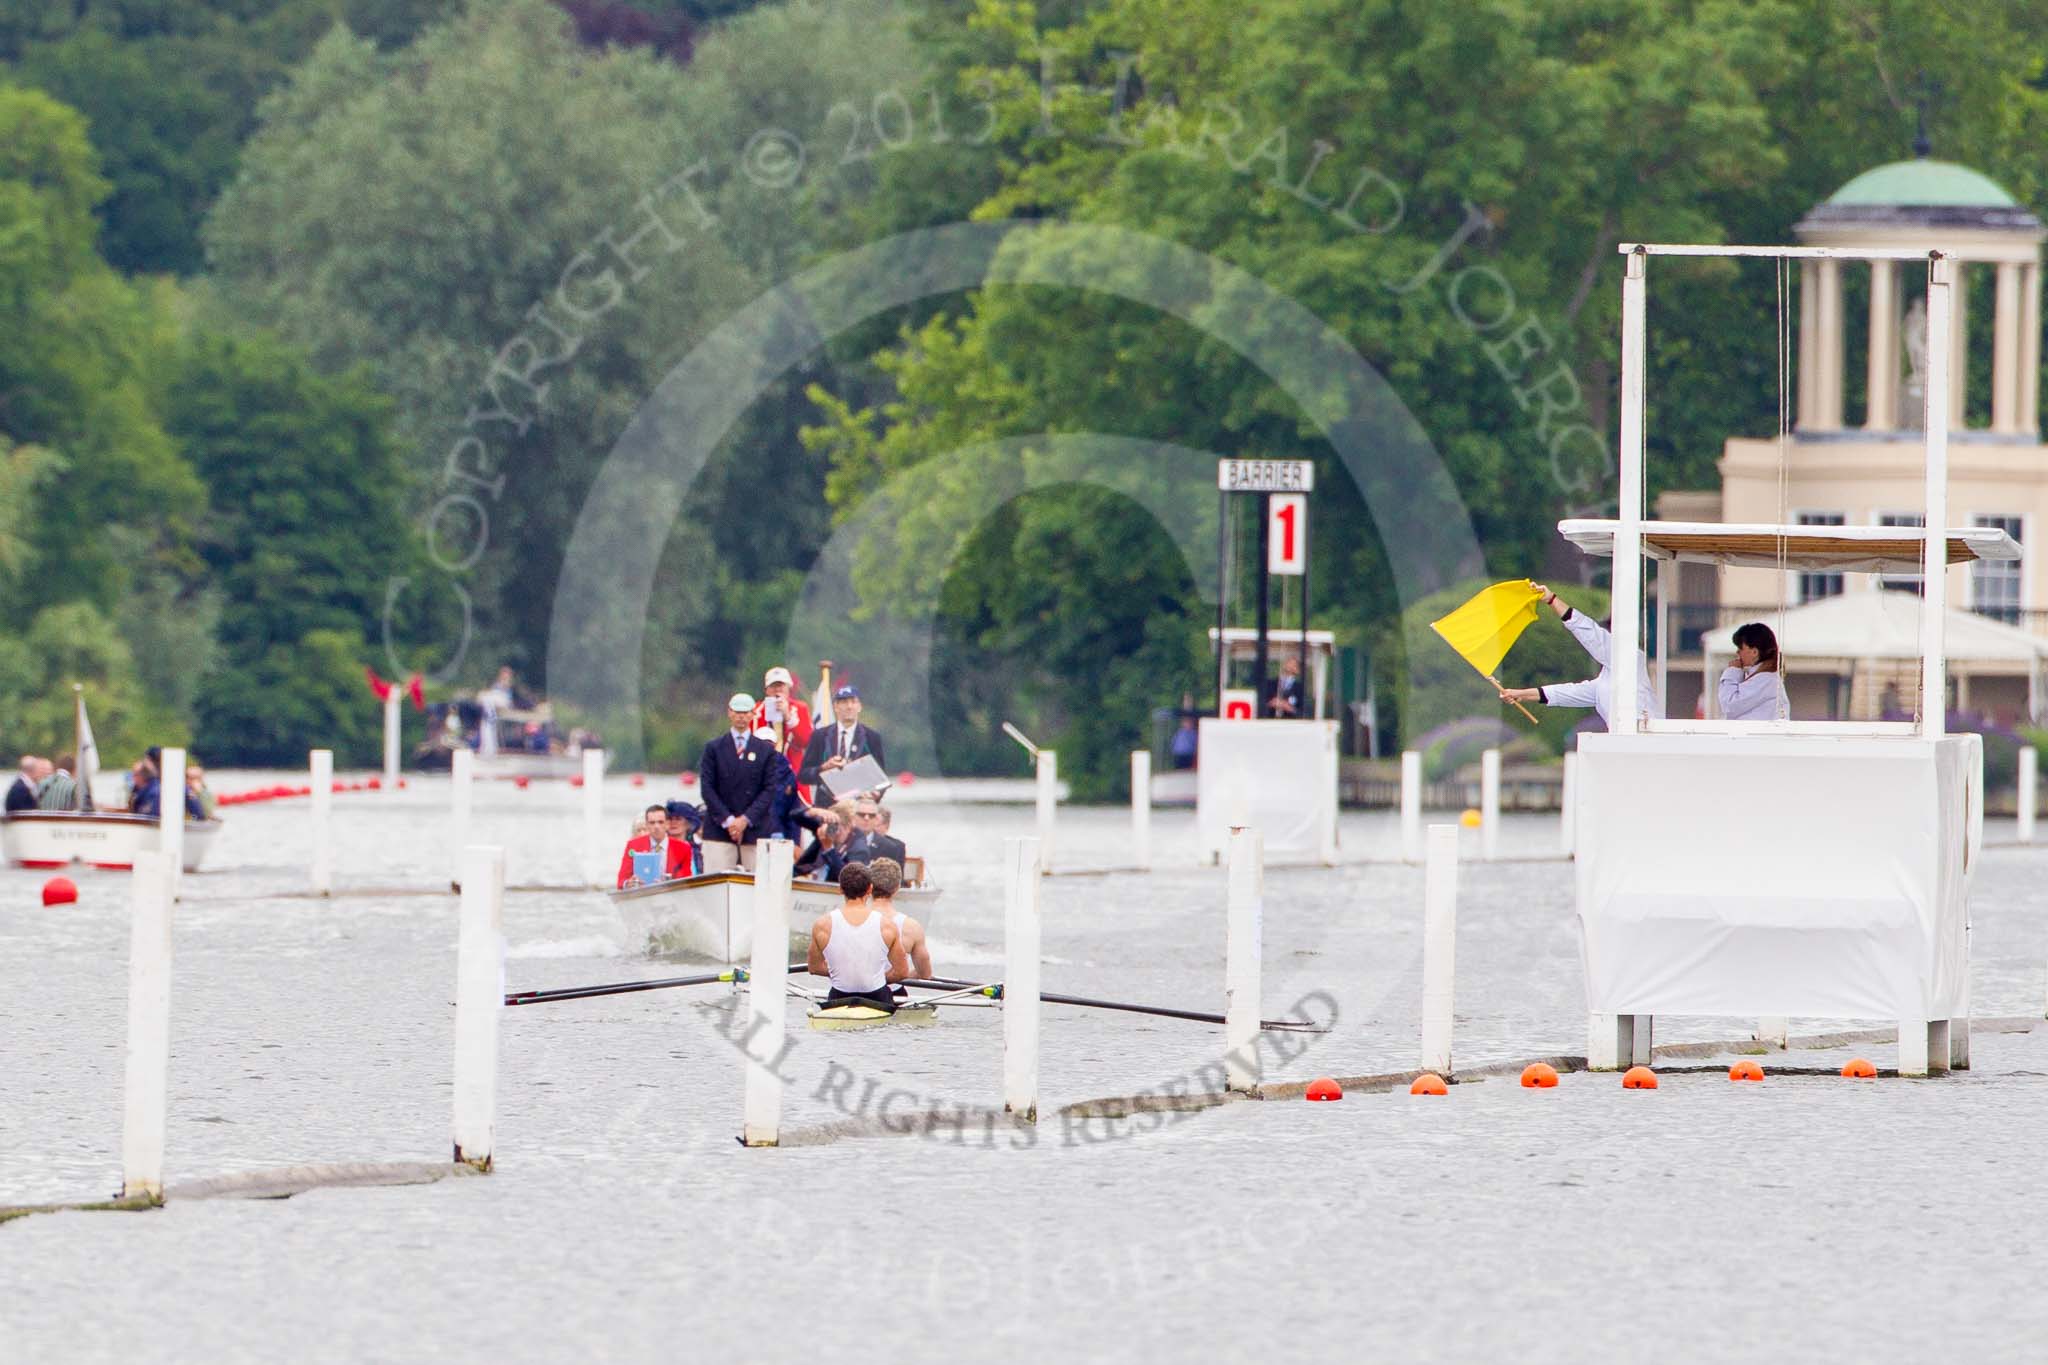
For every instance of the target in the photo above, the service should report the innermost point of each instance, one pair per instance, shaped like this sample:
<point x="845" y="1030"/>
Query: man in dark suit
<point x="870" y="840"/>
<point x="22" y="795"/>
<point x="736" y="776"/>
<point x="844" y="741"/>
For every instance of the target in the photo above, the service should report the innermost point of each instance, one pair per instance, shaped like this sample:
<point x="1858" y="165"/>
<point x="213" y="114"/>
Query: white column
<point x="767" y="991"/>
<point x="1809" y="349"/>
<point x="391" y="743"/>
<point x="1603" y="1042"/>
<point x="1667" y="594"/>
<point x="593" y="819"/>
<point x="1828" y="336"/>
<point x="1411" y="806"/>
<point x="1959" y="346"/>
<point x="479" y="997"/>
<point x="1568" y="811"/>
<point x="1881" y="408"/>
<point x="145" y="1095"/>
<point x="1628" y="532"/>
<point x="1943" y="314"/>
<point x="1048" y="804"/>
<point x="1439" y="947"/>
<point x="1020" y="978"/>
<point x="1913" y="1047"/>
<point x="1242" y="966"/>
<point x="462" y="774"/>
<point x="2030" y="349"/>
<point x="2030" y="763"/>
<point x="1774" y="1030"/>
<point x="2005" y="350"/>
<point x="323" y="822"/>
<point x="171" y="814"/>
<point x="1141" y="809"/>
<point x="1489" y="806"/>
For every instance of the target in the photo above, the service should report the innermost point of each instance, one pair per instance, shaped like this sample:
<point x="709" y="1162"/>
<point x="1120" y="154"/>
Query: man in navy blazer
<point x="736" y="777"/>
<point x="834" y="746"/>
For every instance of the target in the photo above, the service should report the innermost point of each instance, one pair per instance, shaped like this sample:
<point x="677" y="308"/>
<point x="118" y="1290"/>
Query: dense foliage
<point x="405" y="335"/>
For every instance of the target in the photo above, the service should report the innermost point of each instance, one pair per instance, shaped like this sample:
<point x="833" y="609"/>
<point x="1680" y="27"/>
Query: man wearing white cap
<point x="736" y="778"/>
<point x="784" y="718"/>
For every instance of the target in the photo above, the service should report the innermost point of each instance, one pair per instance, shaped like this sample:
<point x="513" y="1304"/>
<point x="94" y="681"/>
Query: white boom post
<point x="1628" y="524"/>
<point x="323" y="822"/>
<point x="1568" y="814"/>
<point x="1020" y="978"/>
<point x="1048" y="804"/>
<point x="767" y="992"/>
<point x="593" y="818"/>
<point x="479" y="997"/>
<point x="1774" y="1030"/>
<point x="1489" y="804"/>
<point x="462" y="774"/>
<point x="1241" y="964"/>
<point x="1667" y="589"/>
<point x="171" y="813"/>
<point x="1934" y="547"/>
<point x="1439" y="946"/>
<point x="1141" y="809"/>
<point x="391" y="743"/>
<point x="2030" y="768"/>
<point x="1411" y="806"/>
<point x="146" y="1092"/>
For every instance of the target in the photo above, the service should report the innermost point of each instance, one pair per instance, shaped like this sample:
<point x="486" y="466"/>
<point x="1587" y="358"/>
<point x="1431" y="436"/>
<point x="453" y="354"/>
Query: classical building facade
<point x="1863" y="467"/>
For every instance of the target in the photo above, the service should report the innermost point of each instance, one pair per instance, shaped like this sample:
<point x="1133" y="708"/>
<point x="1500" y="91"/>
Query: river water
<point x="624" y="1221"/>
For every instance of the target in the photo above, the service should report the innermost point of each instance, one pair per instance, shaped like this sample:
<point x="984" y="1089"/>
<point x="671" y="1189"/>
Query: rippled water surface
<point x="624" y="1221"/>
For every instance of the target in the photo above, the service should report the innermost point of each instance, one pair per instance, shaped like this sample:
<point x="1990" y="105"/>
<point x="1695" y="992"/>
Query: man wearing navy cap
<point x="736" y="776"/>
<point x="844" y="741"/>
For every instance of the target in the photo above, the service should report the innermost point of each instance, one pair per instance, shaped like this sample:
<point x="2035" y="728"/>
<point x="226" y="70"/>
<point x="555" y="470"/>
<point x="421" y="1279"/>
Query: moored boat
<point x="711" y="915"/>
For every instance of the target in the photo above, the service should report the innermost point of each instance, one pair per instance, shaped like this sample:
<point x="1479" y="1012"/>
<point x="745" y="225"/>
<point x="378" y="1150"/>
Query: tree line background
<point x="256" y="259"/>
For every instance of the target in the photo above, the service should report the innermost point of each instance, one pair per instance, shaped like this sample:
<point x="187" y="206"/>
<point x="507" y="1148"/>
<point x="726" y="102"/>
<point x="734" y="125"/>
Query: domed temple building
<point x="1851" y="641"/>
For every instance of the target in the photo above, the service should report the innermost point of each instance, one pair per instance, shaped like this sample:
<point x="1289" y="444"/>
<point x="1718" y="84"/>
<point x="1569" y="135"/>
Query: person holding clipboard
<point x="656" y="855"/>
<point x="842" y="744"/>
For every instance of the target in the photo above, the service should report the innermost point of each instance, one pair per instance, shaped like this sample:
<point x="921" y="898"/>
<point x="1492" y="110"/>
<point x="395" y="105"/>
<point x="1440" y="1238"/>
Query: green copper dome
<point x="1923" y="183"/>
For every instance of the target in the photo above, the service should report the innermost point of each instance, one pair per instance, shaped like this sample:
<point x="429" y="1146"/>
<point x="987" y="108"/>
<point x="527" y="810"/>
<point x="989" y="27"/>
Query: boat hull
<point x="712" y="915"/>
<point x="108" y="839"/>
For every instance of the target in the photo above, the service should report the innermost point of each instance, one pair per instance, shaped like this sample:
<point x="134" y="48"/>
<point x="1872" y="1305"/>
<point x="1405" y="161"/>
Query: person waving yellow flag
<point x="1483" y="630"/>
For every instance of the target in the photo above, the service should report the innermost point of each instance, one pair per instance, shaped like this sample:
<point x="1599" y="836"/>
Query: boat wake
<point x="594" y="945"/>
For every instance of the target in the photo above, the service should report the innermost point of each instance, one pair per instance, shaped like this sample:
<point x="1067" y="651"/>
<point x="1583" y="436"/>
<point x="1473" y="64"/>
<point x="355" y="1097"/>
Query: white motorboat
<point x="109" y="839"/>
<point x="711" y="915"/>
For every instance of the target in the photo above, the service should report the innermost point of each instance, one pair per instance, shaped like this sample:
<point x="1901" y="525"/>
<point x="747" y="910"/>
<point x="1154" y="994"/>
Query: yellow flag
<point x="1483" y="629"/>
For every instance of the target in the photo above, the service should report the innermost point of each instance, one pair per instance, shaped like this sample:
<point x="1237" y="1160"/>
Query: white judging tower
<point x="1269" y="755"/>
<point x="1780" y="868"/>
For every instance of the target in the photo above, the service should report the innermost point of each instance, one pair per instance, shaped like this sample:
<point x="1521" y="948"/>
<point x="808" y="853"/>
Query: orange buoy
<point x="1428" y="1083"/>
<point x="60" y="891"/>
<point x="1323" y="1088"/>
<point x="1469" y="819"/>
<point x="1539" y="1076"/>
<point x="1639" y="1078"/>
<point x="1859" y="1068"/>
<point x="1745" y="1071"/>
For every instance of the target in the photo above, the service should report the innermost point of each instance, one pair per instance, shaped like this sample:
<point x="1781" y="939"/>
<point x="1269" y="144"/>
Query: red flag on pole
<point x="377" y="684"/>
<point x="418" y="692"/>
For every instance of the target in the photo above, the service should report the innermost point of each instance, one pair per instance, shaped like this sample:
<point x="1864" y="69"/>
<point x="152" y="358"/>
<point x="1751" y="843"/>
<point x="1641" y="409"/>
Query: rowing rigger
<point x="988" y="990"/>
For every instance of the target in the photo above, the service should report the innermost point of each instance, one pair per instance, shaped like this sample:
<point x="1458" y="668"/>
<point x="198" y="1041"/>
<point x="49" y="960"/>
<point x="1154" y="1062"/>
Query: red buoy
<point x="1428" y="1083"/>
<point x="1323" y="1088"/>
<point x="60" y="891"/>
<point x="522" y="782"/>
<point x="905" y="778"/>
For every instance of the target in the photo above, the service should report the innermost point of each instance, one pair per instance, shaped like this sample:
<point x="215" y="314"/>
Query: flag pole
<point x="1517" y="705"/>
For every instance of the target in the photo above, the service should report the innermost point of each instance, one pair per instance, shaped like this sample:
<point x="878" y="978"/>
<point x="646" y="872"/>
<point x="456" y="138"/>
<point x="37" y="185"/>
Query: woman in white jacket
<point x="1753" y="687"/>
<point x="1598" y="691"/>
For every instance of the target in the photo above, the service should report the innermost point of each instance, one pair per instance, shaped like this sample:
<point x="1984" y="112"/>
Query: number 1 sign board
<point x="1287" y="534"/>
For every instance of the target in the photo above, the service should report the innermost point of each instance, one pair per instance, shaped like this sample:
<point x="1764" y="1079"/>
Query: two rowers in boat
<point x="865" y="945"/>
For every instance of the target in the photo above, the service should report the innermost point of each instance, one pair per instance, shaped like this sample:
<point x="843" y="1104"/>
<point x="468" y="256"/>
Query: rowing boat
<point x="107" y="839"/>
<point x="919" y="1015"/>
<point x="711" y="915"/>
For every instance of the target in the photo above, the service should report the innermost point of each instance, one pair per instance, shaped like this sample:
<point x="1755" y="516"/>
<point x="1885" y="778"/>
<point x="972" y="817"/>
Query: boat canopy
<point x="1832" y="549"/>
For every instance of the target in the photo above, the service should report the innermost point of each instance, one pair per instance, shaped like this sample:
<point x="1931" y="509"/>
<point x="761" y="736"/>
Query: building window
<point x="1901" y="582"/>
<point x="1995" y="583"/>
<point x="1814" y="586"/>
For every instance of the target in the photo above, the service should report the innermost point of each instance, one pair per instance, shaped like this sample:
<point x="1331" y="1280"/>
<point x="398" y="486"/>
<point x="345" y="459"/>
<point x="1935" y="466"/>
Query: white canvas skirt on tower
<point x="1776" y="874"/>
<point x="1278" y="775"/>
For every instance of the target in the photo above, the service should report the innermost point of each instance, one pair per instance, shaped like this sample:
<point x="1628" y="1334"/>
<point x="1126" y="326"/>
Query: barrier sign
<point x="1266" y="476"/>
<point x="1240" y="703"/>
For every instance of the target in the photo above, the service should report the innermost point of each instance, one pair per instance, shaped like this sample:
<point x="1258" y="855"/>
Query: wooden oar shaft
<point x="1088" y="1002"/>
<point x="1517" y="705"/>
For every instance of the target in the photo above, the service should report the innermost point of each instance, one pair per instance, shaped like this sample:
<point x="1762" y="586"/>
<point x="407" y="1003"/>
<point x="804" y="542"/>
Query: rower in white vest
<point x="857" y="947"/>
<point x="1597" y="691"/>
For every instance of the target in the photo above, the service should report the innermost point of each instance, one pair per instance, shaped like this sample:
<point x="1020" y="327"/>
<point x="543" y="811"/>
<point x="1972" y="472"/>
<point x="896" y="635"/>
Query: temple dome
<point x="1921" y="192"/>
